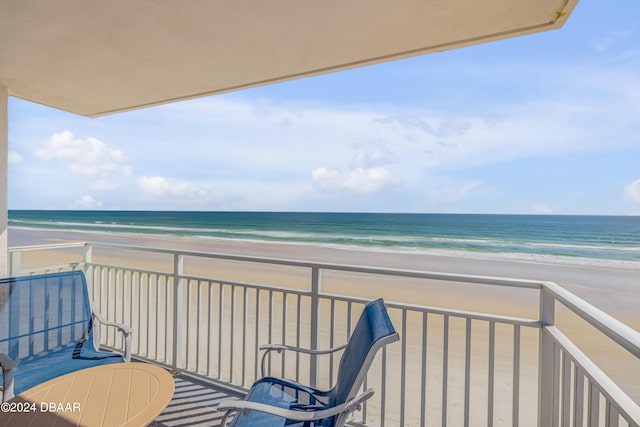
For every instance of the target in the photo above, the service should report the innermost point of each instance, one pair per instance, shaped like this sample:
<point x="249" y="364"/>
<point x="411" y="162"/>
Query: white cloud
<point x="632" y="191"/>
<point x="159" y="188"/>
<point x="358" y="180"/>
<point x="87" y="202"/>
<point x="87" y="157"/>
<point x="369" y="155"/>
<point x="156" y="186"/>
<point x="14" y="158"/>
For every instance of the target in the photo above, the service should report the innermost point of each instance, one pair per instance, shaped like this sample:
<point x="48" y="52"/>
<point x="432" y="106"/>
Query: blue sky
<point x="547" y="123"/>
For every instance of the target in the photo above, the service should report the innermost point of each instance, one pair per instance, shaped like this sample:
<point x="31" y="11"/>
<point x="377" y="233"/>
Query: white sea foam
<point x="495" y="256"/>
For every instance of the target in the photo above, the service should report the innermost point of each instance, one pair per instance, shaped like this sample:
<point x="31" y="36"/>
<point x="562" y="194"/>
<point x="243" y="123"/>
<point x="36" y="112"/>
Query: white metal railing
<point x="452" y="367"/>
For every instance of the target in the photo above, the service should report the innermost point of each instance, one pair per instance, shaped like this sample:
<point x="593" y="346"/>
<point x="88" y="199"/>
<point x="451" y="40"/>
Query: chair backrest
<point x="373" y="331"/>
<point x="42" y="313"/>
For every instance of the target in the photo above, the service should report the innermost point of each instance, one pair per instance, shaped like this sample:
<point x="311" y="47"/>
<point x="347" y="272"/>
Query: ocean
<point x="563" y="236"/>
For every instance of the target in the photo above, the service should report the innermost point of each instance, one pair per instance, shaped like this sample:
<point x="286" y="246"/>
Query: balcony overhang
<point x="101" y="57"/>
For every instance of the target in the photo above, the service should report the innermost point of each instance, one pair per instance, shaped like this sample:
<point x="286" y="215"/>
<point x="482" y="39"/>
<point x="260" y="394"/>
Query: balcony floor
<point x="194" y="403"/>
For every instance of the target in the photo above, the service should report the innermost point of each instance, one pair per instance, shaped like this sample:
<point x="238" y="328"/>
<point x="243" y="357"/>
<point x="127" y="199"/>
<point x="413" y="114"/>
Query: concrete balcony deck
<point x="194" y="403"/>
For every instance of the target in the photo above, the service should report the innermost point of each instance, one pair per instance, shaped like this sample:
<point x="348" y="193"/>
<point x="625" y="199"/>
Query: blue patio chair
<point x="47" y="328"/>
<point x="275" y="402"/>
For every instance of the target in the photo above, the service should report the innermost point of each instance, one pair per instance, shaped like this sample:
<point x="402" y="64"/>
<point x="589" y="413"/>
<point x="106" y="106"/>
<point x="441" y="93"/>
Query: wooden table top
<point x="121" y="394"/>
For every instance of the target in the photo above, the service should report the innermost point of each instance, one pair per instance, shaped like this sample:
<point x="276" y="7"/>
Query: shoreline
<point x="558" y="260"/>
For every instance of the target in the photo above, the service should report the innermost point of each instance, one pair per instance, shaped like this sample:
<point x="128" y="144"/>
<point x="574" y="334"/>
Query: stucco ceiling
<point x="100" y="57"/>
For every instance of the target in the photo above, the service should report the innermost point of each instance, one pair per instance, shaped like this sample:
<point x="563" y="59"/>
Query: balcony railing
<point x="452" y="366"/>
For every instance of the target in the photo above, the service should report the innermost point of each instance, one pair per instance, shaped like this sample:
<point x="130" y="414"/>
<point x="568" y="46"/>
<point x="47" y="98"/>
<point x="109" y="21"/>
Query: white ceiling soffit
<point x="101" y="57"/>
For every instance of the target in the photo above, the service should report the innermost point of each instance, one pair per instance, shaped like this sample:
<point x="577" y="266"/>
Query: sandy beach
<point x="611" y="288"/>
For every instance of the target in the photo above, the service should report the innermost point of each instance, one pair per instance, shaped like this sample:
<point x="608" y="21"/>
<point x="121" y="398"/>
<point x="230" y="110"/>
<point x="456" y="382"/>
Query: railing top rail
<point x="622" y="334"/>
<point x="452" y="277"/>
<point x="442" y="311"/>
<point x="46" y="247"/>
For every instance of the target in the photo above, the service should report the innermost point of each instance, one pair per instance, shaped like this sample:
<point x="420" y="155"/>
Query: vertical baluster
<point x="516" y="376"/>
<point x="166" y="320"/>
<point x="232" y="331"/>
<point x="220" y="326"/>
<point x="209" y="320"/>
<point x="403" y="368"/>
<point x="423" y="383"/>
<point x="245" y="319"/>
<point x="138" y="335"/>
<point x="365" y="386"/>
<point x="578" y="394"/>
<point x="95" y="285"/>
<point x="383" y="387"/>
<point x="13" y="327"/>
<point x="594" y="405"/>
<point x="148" y="322"/>
<point x="349" y="330"/>
<point x="113" y="296"/>
<point x="126" y="293"/>
<point x="315" y="324"/>
<point x="111" y="311"/>
<point x="349" y="314"/>
<point x="198" y="323"/>
<point x="556" y="385"/>
<point x="140" y="324"/>
<point x="467" y="372"/>
<point x="270" y="326"/>
<point x="257" y="343"/>
<point x="73" y="310"/>
<point x="107" y="314"/>
<point x="104" y="285"/>
<point x="612" y="418"/>
<point x="298" y="329"/>
<point x="188" y="320"/>
<point x="284" y="329"/>
<point x="566" y="390"/>
<point x="131" y="298"/>
<point x="445" y="368"/>
<point x="491" y="379"/>
<point x="59" y="309"/>
<point x="332" y="330"/>
<point x="158" y="322"/>
<point x="123" y="287"/>
<point x="119" y="304"/>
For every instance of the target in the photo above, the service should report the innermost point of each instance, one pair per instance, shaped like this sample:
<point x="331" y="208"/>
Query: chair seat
<point x="40" y="368"/>
<point x="284" y="394"/>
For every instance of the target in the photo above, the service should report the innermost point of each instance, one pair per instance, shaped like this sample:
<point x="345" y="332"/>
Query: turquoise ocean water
<point x="587" y="237"/>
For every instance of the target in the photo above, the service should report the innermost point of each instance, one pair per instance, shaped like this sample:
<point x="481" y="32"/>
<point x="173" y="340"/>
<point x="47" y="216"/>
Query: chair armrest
<point x="126" y="331"/>
<point x="280" y="347"/>
<point x="247" y="406"/>
<point x="7" y="364"/>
